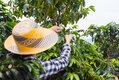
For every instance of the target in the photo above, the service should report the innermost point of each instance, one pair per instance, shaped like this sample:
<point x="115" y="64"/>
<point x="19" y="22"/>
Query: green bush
<point x="106" y="38"/>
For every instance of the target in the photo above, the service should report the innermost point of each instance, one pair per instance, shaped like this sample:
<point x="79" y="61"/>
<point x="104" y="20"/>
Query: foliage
<point x="85" y="62"/>
<point x="6" y="24"/>
<point x="106" y="38"/>
<point x="19" y="69"/>
<point x="52" y="12"/>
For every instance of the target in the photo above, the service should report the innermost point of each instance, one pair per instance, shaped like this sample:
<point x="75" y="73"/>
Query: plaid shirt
<point x="55" y="65"/>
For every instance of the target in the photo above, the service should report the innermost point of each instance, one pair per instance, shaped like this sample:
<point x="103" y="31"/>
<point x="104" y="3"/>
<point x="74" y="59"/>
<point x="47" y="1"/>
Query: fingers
<point x="68" y="38"/>
<point x="59" y="30"/>
<point x="56" y="29"/>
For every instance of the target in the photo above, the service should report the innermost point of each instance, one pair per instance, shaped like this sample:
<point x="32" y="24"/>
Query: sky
<point x="106" y="11"/>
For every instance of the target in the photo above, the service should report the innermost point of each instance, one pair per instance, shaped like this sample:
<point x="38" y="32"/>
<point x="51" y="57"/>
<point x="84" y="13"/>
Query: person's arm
<point x="55" y="65"/>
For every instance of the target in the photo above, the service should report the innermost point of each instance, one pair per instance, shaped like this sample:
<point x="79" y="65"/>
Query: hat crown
<point x="24" y="28"/>
<point x="26" y="33"/>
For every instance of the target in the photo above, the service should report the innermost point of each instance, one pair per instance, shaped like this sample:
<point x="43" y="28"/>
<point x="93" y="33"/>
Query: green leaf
<point x="1" y="75"/>
<point x="71" y="76"/>
<point x="37" y="64"/>
<point x="93" y="64"/>
<point x="76" y="76"/>
<point x="35" y="73"/>
<point x="92" y="8"/>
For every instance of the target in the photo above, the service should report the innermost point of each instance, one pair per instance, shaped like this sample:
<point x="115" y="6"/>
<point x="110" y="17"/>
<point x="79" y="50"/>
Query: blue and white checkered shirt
<point x="55" y="65"/>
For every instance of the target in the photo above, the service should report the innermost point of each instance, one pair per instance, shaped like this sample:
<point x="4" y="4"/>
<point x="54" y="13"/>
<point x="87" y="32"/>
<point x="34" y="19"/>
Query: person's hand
<point x="68" y="38"/>
<point x="56" y="29"/>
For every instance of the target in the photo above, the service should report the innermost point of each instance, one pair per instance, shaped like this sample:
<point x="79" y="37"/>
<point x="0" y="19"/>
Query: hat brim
<point x="11" y="45"/>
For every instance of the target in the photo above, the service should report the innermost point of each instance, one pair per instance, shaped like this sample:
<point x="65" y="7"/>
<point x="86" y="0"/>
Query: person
<point x="29" y="39"/>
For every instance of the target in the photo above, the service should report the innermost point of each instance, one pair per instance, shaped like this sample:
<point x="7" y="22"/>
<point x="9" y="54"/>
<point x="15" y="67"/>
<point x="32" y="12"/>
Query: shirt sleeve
<point x="55" y="65"/>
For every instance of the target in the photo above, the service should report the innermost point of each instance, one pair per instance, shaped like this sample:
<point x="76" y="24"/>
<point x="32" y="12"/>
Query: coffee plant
<point x="86" y="62"/>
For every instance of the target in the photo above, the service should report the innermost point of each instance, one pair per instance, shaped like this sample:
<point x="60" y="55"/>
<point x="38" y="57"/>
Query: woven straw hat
<point x="29" y="38"/>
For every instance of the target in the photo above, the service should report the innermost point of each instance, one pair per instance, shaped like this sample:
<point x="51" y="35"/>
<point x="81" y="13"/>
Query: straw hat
<point x="29" y="38"/>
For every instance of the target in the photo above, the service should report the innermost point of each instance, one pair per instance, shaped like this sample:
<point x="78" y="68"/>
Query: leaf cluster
<point x="106" y="38"/>
<point x="53" y="12"/>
